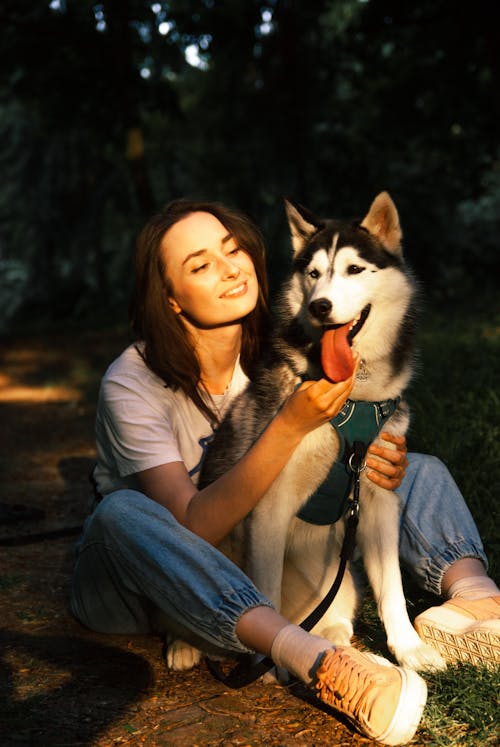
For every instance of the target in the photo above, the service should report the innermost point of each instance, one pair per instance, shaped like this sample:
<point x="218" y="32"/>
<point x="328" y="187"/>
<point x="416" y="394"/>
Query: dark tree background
<point x="108" y="110"/>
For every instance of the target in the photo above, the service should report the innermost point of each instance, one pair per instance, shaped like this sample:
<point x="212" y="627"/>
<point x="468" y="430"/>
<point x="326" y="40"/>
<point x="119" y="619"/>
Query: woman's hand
<point x="387" y="465"/>
<point x="314" y="403"/>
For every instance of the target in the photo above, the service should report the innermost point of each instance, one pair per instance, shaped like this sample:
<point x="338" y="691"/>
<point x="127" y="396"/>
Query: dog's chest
<point x="306" y="470"/>
<point x="316" y="483"/>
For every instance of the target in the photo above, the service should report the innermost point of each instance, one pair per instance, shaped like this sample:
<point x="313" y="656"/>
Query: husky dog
<point x="349" y="290"/>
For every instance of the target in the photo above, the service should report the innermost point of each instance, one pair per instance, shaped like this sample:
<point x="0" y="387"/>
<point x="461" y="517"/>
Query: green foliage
<point x="327" y="102"/>
<point x="13" y="281"/>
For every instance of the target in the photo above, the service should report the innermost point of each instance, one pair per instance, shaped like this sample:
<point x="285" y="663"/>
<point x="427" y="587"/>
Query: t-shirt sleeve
<point x="135" y="427"/>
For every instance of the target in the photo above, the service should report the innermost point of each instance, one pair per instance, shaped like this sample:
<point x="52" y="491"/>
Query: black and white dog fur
<point x="342" y="272"/>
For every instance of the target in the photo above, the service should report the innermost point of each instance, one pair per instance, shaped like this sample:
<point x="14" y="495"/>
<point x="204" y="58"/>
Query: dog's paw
<point x="421" y="658"/>
<point x="181" y="655"/>
<point x="340" y="633"/>
<point x="276" y="676"/>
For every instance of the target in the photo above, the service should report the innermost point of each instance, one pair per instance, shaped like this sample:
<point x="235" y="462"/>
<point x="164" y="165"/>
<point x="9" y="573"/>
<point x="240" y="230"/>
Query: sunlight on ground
<point x="23" y="366"/>
<point x="13" y="393"/>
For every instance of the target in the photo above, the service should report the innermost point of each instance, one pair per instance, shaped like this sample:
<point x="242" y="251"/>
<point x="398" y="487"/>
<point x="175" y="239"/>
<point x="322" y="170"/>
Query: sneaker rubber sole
<point x="478" y="643"/>
<point x="408" y="713"/>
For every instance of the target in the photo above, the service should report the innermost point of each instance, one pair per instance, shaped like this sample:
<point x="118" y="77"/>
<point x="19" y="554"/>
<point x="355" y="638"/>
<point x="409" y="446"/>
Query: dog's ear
<point x="303" y="224"/>
<point x="382" y="221"/>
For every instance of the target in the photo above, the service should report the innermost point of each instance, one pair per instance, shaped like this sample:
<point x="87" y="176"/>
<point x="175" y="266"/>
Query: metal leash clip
<point x="356" y="469"/>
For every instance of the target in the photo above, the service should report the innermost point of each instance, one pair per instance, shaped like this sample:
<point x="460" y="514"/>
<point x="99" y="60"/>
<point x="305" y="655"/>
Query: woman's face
<point x="212" y="279"/>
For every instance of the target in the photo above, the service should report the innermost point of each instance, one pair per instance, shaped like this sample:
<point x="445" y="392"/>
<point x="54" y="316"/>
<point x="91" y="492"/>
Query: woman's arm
<point x="215" y="510"/>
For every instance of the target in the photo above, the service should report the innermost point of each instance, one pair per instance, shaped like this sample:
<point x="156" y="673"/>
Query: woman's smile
<point x="239" y="290"/>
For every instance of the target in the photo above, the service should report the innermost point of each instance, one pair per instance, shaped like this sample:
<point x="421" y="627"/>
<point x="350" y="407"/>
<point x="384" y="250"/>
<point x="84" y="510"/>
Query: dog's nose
<point x="320" y="308"/>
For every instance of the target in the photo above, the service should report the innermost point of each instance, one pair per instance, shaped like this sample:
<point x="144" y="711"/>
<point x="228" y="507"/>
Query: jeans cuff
<point x="439" y="564"/>
<point x="234" y="604"/>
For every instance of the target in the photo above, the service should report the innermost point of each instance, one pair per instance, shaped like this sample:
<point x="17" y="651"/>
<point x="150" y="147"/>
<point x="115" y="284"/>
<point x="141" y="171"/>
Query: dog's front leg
<point x="378" y="539"/>
<point x="266" y="536"/>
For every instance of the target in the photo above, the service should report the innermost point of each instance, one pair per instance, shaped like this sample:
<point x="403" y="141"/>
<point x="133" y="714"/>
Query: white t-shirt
<point x="141" y="423"/>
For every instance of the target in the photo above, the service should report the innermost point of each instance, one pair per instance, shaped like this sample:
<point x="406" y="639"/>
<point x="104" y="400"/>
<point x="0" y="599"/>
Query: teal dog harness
<point x="357" y="425"/>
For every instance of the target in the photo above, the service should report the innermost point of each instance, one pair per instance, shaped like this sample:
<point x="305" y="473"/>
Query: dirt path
<point x="61" y="684"/>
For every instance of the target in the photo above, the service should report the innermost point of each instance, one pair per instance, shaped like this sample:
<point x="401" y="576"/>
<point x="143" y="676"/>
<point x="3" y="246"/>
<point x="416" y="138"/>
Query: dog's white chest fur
<point x="306" y="470"/>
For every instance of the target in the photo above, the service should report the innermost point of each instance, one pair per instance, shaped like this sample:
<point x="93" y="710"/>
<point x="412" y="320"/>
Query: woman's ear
<point x="174" y="305"/>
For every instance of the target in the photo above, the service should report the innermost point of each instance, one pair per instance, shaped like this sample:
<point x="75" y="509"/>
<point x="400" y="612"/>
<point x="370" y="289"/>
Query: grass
<point x="455" y="401"/>
<point x="462" y="709"/>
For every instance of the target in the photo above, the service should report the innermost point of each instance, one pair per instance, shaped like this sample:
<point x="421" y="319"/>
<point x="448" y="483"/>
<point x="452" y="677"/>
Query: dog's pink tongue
<point x="336" y="353"/>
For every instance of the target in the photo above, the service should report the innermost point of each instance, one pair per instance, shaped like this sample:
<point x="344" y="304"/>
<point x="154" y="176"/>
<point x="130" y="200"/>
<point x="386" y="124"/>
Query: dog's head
<point x="349" y="287"/>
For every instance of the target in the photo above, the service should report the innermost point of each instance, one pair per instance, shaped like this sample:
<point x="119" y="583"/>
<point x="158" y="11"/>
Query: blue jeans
<point x="139" y="571"/>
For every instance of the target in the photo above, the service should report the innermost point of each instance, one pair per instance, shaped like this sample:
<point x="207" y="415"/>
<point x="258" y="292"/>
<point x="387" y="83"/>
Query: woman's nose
<point x="230" y="269"/>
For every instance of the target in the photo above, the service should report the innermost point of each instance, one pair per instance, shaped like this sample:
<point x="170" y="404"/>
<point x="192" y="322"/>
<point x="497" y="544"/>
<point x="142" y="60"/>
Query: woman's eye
<point x="313" y="273"/>
<point x="199" y="267"/>
<point x="235" y="250"/>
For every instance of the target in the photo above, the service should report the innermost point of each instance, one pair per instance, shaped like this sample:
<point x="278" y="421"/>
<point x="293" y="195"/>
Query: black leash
<point x="245" y="672"/>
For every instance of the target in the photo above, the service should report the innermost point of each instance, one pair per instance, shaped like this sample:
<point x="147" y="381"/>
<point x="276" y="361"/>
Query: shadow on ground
<point x="62" y="693"/>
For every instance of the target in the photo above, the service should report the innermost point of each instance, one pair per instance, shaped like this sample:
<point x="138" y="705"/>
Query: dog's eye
<point x="354" y="269"/>
<point x="313" y="273"/>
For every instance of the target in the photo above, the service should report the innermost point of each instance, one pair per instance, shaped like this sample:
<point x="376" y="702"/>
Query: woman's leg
<point x="439" y="541"/>
<point x="138" y="570"/>
<point x="437" y="528"/>
<point x="441" y="547"/>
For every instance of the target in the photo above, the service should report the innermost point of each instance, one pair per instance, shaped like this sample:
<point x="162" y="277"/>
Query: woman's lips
<point x="238" y="290"/>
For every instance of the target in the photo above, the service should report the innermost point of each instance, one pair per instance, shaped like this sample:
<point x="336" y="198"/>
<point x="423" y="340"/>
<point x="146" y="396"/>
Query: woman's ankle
<point x="299" y="652"/>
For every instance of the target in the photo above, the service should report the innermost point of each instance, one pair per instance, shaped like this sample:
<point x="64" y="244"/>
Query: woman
<point x="147" y="560"/>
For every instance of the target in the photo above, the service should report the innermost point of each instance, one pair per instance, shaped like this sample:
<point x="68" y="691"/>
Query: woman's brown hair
<point x="168" y="351"/>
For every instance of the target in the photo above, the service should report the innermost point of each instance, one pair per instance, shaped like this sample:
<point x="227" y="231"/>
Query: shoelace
<point x="346" y="684"/>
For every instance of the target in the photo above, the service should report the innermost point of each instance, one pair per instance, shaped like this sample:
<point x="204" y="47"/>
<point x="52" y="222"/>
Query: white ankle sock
<point x="298" y="652"/>
<point x="473" y="587"/>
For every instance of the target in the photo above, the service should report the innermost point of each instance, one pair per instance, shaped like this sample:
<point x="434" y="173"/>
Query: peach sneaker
<point x="381" y="700"/>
